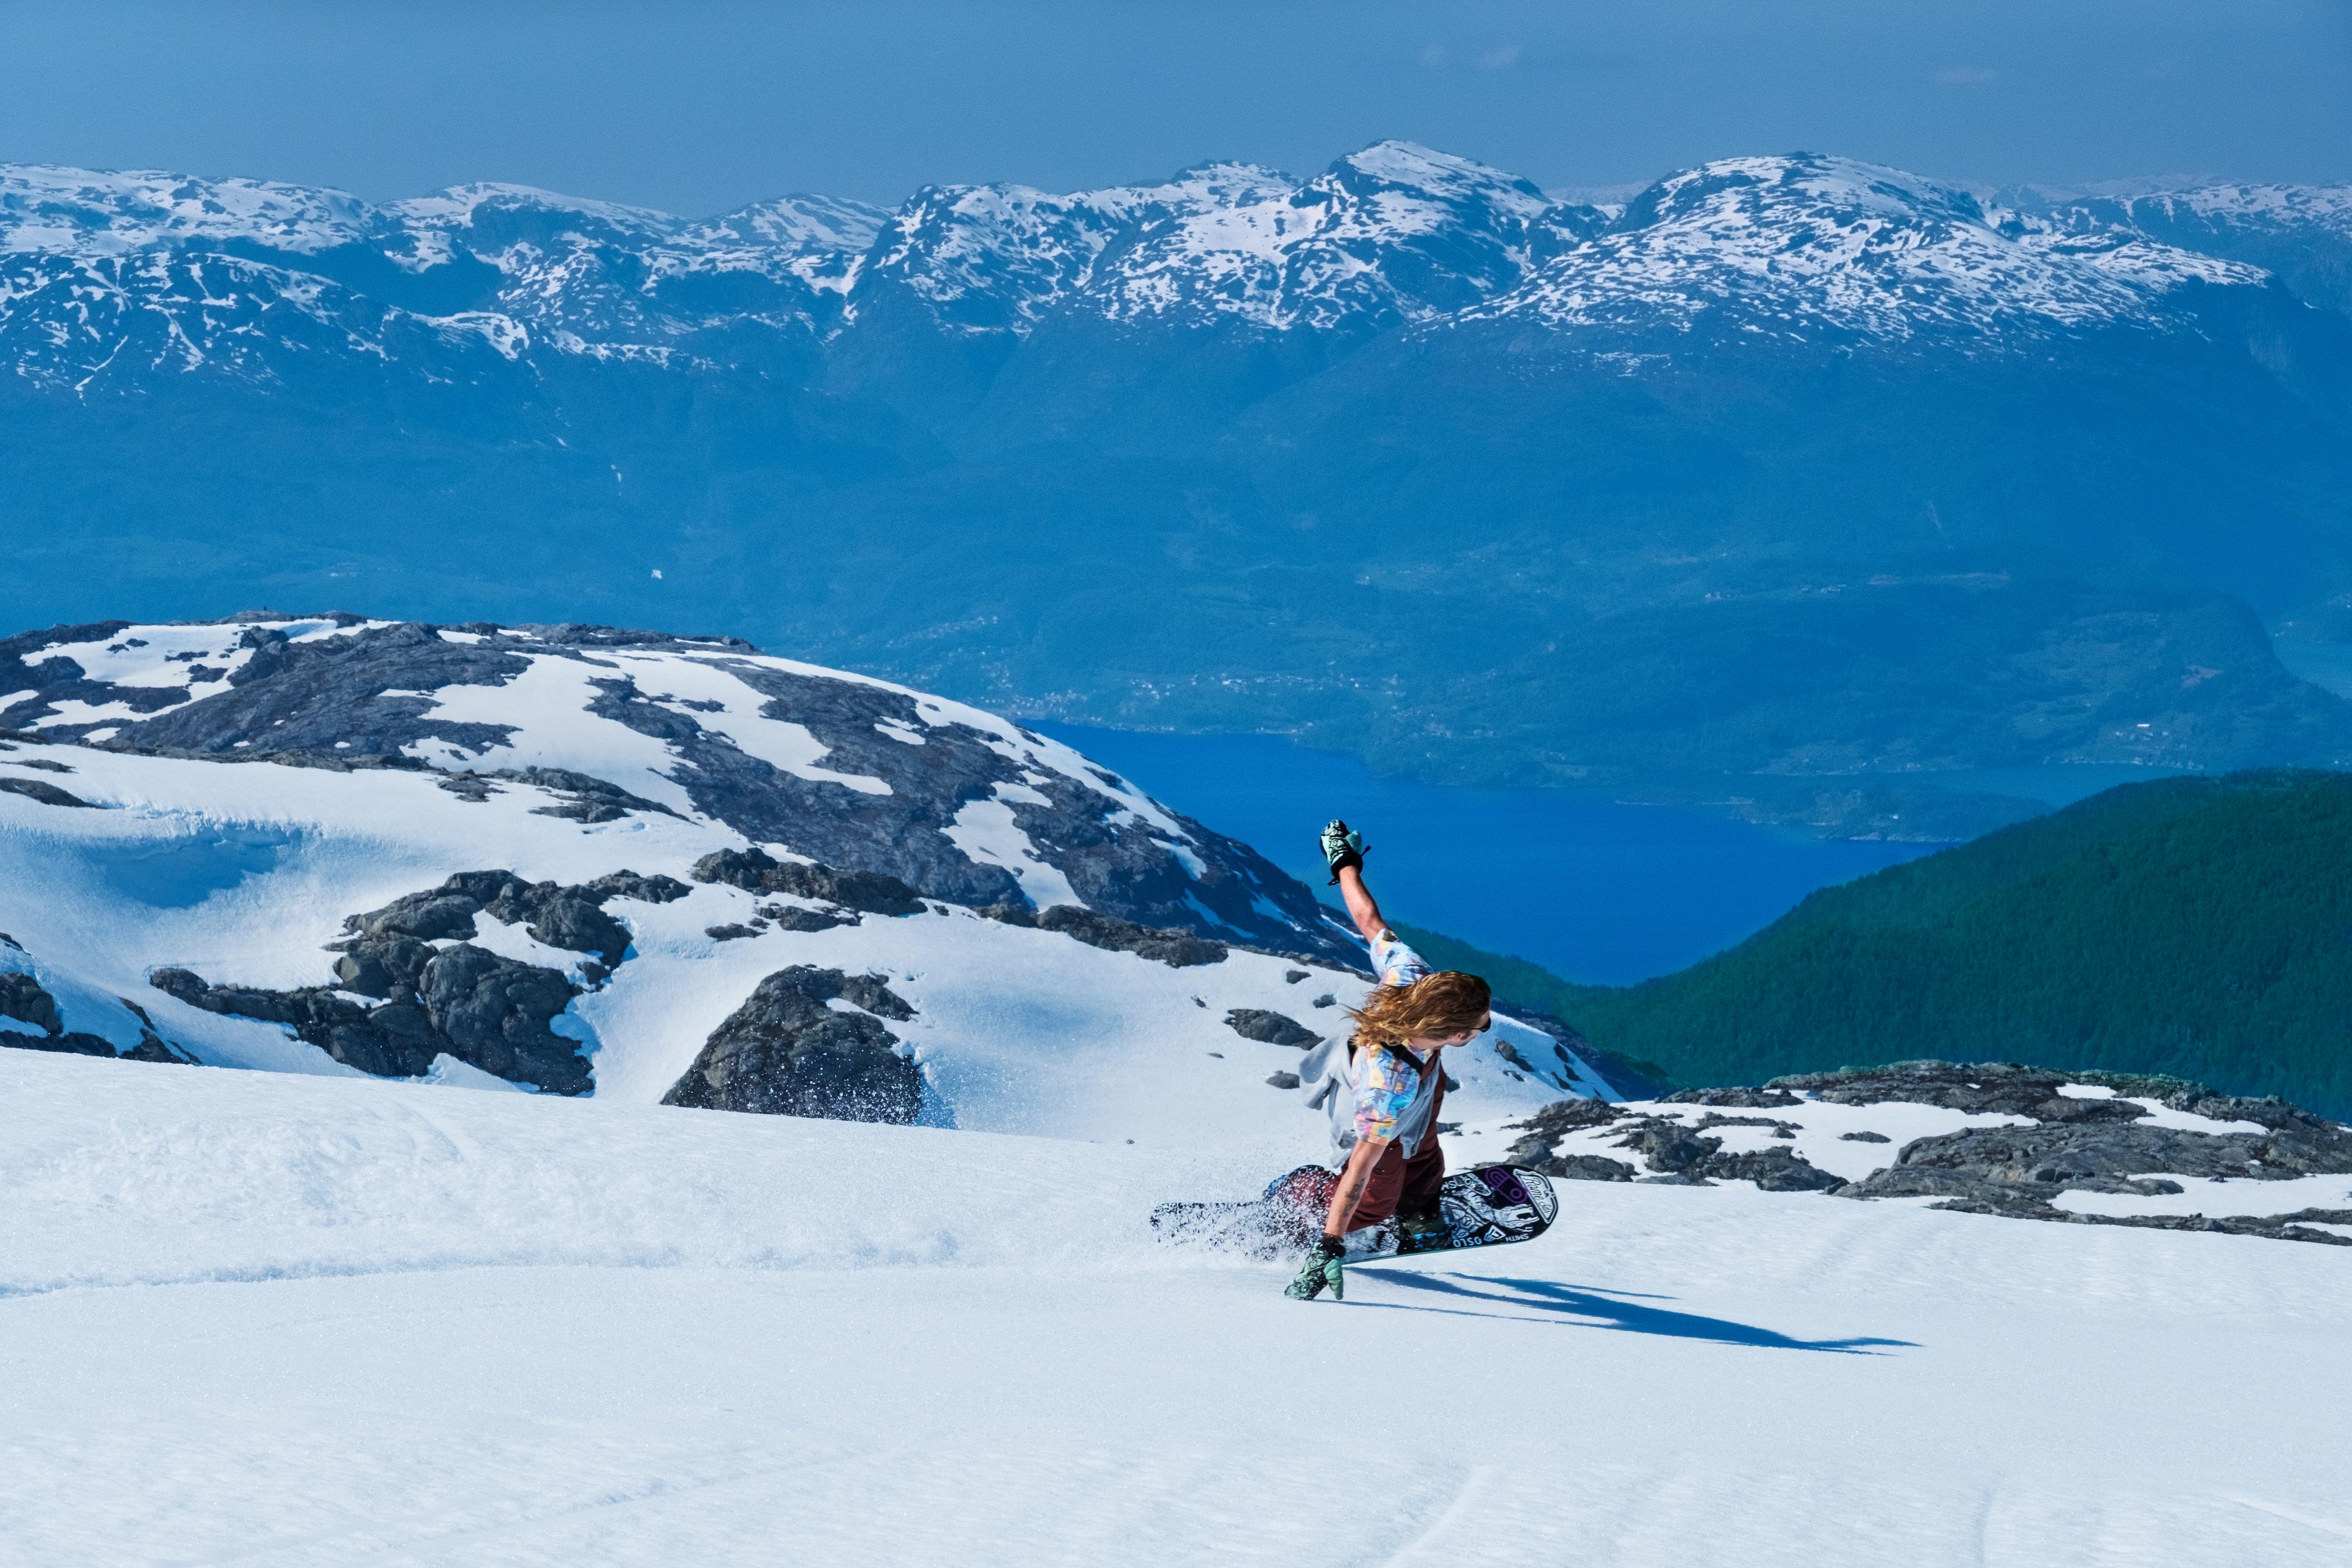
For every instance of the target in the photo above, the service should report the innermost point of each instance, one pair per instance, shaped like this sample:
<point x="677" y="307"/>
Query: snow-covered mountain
<point x="580" y="859"/>
<point x="1956" y="482"/>
<point x="1845" y="252"/>
<point x="110" y="279"/>
<point x="2302" y="234"/>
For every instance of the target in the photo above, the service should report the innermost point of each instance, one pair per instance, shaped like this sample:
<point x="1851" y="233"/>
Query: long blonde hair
<point x="1434" y="1007"/>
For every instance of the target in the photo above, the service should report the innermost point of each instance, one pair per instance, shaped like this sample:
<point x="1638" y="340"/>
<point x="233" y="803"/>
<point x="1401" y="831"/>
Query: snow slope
<point x="241" y="867"/>
<point x="843" y="768"/>
<point x="278" y="1321"/>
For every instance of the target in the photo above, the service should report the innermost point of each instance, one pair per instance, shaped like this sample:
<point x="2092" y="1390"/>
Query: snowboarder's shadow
<point x="1612" y="1311"/>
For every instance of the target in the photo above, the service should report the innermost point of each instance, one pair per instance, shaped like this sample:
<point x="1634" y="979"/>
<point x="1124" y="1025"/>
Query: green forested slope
<point x="2199" y="927"/>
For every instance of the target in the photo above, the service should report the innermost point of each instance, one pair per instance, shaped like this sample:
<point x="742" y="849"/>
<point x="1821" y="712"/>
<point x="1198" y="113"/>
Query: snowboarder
<point x="1382" y="1085"/>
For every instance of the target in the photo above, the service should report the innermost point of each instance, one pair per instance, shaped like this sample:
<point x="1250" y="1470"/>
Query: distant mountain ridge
<point x="1395" y="235"/>
<point x="1795" y="467"/>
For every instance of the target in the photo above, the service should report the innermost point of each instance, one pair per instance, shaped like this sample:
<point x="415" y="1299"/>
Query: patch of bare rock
<point x="2083" y="1141"/>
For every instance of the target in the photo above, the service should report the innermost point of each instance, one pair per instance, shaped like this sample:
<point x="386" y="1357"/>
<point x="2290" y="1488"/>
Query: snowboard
<point x="1486" y="1205"/>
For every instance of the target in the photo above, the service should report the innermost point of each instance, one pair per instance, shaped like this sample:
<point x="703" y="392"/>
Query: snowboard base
<point x="1486" y="1205"/>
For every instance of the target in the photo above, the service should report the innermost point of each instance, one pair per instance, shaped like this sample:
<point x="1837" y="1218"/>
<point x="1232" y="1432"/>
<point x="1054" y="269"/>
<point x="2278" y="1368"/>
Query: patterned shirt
<point x="1390" y="1078"/>
<point x="1396" y="963"/>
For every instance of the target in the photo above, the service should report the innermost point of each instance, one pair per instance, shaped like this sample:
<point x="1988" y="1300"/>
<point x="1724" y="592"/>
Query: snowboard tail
<point x="1486" y="1205"/>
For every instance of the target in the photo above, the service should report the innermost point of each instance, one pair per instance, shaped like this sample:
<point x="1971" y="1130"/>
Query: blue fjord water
<point x="1595" y="890"/>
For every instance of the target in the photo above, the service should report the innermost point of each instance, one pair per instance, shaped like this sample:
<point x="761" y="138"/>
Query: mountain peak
<point x="48" y="207"/>
<point x="463" y="206"/>
<point x="1807" y="248"/>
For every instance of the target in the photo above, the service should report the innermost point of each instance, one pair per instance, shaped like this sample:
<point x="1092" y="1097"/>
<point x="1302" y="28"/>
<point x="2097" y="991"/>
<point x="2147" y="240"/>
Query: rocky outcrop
<point x="1670" y="1148"/>
<point x="785" y="1052"/>
<point x="1162" y="944"/>
<point x="465" y="1002"/>
<point x="1997" y="1089"/>
<point x="24" y="999"/>
<point x="571" y="917"/>
<point x="1176" y="948"/>
<point x="44" y="792"/>
<point x="2101" y="1138"/>
<point x="1270" y="1028"/>
<point x="757" y="871"/>
<point x="411" y="986"/>
<point x="1749" y="1099"/>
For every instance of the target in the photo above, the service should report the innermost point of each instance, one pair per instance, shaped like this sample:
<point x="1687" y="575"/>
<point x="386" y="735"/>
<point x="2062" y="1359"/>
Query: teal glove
<point x="1323" y="1267"/>
<point x="1342" y="847"/>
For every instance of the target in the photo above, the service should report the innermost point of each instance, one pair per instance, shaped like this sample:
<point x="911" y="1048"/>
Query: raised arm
<point x="1361" y="907"/>
<point x="1343" y="847"/>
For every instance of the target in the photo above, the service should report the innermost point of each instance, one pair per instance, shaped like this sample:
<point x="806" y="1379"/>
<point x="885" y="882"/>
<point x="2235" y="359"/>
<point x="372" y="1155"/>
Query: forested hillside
<point x="2199" y="927"/>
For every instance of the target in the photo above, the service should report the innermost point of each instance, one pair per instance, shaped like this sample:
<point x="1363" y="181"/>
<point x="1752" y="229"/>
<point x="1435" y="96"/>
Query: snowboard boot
<point x="1423" y="1233"/>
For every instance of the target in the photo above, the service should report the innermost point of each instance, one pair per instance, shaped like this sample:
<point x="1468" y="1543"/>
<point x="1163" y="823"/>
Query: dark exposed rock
<point x="792" y="917"/>
<point x="1012" y="914"/>
<point x="2063" y="1155"/>
<point x="1772" y="1099"/>
<point x="757" y="871"/>
<point x="47" y="794"/>
<point x="1712" y="1121"/>
<point x="1270" y="1028"/>
<point x="495" y="1013"/>
<point x="464" y="1000"/>
<point x="1326" y="1000"/>
<point x="570" y="918"/>
<point x="657" y="888"/>
<point x="1666" y="1145"/>
<point x="380" y="967"/>
<point x="576" y="925"/>
<point x="43" y="763"/>
<point x="2021" y="1171"/>
<point x="1588" y="1168"/>
<point x="1561" y="1117"/>
<point x="470" y="786"/>
<point x="1534" y="1153"/>
<point x="1774" y="1169"/>
<point x="1999" y="1088"/>
<point x="582" y="798"/>
<point x="152" y="1047"/>
<point x="1865" y="1138"/>
<point x="1176" y="948"/>
<point x="785" y="1052"/>
<point x="1510" y="1053"/>
<point x="429" y="916"/>
<point x="1293" y="976"/>
<point x="730" y="932"/>
<point x="23" y="999"/>
<point x="1283" y="1079"/>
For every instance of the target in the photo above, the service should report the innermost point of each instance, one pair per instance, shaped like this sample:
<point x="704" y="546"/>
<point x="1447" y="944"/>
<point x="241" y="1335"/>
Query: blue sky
<point x="698" y="108"/>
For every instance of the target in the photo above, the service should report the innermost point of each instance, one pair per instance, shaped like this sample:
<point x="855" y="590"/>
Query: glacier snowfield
<point x="273" y="1319"/>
